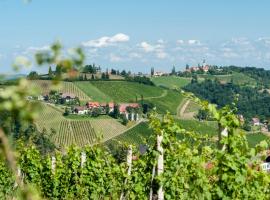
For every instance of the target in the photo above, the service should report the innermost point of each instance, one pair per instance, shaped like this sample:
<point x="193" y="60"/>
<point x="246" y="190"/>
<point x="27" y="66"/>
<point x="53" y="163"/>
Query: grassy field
<point x="45" y="86"/>
<point x="256" y="138"/>
<point x="171" y="82"/>
<point x="204" y="127"/>
<point x="169" y="102"/>
<point x="93" y="92"/>
<point x="135" y="135"/>
<point x="237" y="78"/>
<point x="76" y="131"/>
<point x="123" y="91"/>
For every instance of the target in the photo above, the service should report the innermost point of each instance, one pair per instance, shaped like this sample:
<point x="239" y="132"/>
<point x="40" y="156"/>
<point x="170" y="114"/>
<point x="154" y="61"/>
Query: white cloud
<point x="107" y="41"/>
<point x="161" y="55"/>
<point x="194" y="42"/>
<point x="135" y="55"/>
<point x="147" y="47"/>
<point x="180" y="41"/>
<point x="158" y="49"/>
<point x="43" y="48"/>
<point x="115" y="58"/>
<point x="150" y="48"/>
<point x="160" y="41"/>
<point x="32" y="50"/>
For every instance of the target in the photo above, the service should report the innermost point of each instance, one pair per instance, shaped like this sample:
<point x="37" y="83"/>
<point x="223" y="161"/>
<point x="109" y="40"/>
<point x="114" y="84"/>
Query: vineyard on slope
<point x="79" y="132"/>
<point x="65" y="87"/>
<point x="109" y="128"/>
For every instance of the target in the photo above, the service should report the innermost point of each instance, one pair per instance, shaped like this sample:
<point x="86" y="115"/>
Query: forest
<point x="250" y="102"/>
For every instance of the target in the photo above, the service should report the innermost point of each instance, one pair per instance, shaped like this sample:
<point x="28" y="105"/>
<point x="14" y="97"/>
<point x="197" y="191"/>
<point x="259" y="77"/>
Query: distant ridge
<point x="11" y="76"/>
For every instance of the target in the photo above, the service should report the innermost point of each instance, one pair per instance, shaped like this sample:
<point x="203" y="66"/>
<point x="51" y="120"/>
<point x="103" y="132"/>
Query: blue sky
<point x="138" y="35"/>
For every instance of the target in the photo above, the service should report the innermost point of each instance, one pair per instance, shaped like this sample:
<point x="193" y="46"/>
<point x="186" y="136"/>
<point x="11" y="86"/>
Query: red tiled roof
<point x="93" y="104"/>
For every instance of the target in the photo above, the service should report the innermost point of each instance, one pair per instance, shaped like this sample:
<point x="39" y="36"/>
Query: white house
<point x="81" y="110"/>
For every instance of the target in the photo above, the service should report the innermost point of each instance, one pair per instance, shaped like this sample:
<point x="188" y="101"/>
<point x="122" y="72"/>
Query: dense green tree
<point x="50" y="72"/>
<point x="116" y="111"/>
<point x="33" y="75"/>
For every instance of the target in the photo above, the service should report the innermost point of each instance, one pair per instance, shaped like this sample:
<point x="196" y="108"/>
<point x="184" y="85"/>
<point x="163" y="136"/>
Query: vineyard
<point x="171" y="82"/>
<point x="109" y="128"/>
<point x="74" y="131"/>
<point x="65" y="87"/>
<point x="123" y="91"/>
<point x="135" y="135"/>
<point x="80" y="133"/>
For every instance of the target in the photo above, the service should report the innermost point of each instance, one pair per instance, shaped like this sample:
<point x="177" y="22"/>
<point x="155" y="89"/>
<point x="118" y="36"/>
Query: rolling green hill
<point x="135" y="135"/>
<point x="235" y="77"/>
<point x="171" y="82"/>
<point x="170" y="102"/>
<point x="76" y="131"/>
<point x="93" y="92"/>
<point x="123" y="91"/>
<point x="45" y="86"/>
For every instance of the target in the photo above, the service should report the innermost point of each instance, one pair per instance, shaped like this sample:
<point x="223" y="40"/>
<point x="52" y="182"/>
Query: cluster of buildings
<point x="204" y="67"/>
<point x="130" y="110"/>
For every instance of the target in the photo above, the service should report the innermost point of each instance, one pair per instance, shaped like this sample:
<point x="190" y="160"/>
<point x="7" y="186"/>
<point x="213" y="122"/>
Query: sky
<point x="138" y="35"/>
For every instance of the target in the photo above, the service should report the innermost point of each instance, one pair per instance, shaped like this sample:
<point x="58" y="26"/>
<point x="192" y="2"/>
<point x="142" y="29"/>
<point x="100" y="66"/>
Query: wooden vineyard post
<point x="160" y="164"/>
<point x="53" y="164"/>
<point x="152" y="179"/>
<point x="224" y="133"/>
<point x="83" y="159"/>
<point x="129" y="164"/>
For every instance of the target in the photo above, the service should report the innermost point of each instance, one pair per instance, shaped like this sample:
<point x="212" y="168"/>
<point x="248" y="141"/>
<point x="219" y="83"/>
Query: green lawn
<point x="171" y="82"/>
<point x="135" y="135"/>
<point x="205" y="127"/>
<point x="254" y="139"/>
<point x="170" y="102"/>
<point x="93" y="92"/>
<point x="123" y="91"/>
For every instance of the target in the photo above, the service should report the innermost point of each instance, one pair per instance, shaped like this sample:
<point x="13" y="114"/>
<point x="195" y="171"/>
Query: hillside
<point x="236" y="78"/>
<point x="171" y="82"/>
<point x="123" y="91"/>
<point x="76" y="131"/>
<point x="45" y="86"/>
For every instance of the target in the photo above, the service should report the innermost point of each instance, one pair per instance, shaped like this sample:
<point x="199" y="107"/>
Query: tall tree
<point x="50" y="72"/>
<point x="173" y="70"/>
<point x="152" y="71"/>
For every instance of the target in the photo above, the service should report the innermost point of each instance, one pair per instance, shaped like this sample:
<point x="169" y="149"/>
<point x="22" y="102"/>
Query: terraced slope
<point x="65" y="87"/>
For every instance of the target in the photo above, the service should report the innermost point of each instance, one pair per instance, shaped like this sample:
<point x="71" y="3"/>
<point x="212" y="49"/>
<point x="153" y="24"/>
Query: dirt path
<point x="165" y="92"/>
<point x="181" y="111"/>
<point x="181" y="108"/>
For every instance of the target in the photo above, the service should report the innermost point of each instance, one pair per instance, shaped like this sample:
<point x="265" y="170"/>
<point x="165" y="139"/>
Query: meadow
<point x="171" y="82"/>
<point x="235" y="77"/>
<point x="170" y="102"/>
<point x="123" y="91"/>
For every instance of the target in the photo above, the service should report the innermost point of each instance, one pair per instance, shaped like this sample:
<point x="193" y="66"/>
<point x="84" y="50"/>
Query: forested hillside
<point x="250" y="101"/>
